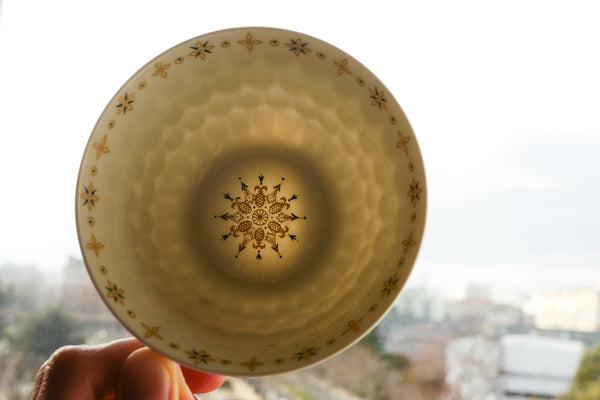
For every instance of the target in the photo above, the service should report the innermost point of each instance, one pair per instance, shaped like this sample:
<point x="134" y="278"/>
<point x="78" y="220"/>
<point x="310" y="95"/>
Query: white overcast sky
<point x="504" y="98"/>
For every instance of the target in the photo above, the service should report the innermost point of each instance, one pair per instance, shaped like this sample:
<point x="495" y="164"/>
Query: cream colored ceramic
<point x="251" y="202"/>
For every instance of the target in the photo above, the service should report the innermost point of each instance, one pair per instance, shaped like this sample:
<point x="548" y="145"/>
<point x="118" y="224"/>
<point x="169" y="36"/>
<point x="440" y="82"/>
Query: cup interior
<point x="251" y="202"/>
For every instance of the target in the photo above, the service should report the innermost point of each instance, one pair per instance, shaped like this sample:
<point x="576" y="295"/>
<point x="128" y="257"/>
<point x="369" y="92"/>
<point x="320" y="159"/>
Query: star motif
<point x="408" y="243"/>
<point x="306" y="353"/>
<point x="151" y="331"/>
<point x="115" y="293"/>
<point x="101" y="148"/>
<point x="199" y="356"/>
<point x="250" y="42"/>
<point x="342" y="67"/>
<point x="414" y="192"/>
<point x="161" y="70"/>
<point x="377" y="98"/>
<point x="298" y="47"/>
<point x="94" y="245"/>
<point x="89" y="196"/>
<point x="353" y="326"/>
<point x="252" y="364"/>
<point x="125" y="103"/>
<point x="403" y="142"/>
<point x="201" y="50"/>
<point x="389" y="285"/>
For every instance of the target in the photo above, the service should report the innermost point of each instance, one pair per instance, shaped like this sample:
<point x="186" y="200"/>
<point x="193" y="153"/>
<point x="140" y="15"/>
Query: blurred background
<point x="504" y="99"/>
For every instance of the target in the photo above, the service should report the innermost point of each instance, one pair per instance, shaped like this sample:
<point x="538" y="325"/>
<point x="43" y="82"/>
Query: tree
<point x="6" y="295"/>
<point x="43" y="333"/>
<point x="33" y="340"/>
<point x="586" y="384"/>
<point x="6" y="298"/>
<point x="591" y="392"/>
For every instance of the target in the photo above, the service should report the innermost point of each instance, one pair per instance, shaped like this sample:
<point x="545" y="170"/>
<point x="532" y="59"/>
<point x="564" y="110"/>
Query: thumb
<point x="148" y="375"/>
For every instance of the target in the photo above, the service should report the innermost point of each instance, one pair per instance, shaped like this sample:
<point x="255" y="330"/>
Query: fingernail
<point x="148" y="381"/>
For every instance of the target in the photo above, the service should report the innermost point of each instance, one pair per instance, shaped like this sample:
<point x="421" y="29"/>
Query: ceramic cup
<point x="251" y="202"/>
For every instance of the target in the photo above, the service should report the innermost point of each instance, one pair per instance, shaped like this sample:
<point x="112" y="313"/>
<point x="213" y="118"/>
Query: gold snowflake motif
<point x="306" y="353"/>
<point x="260" y="217"/>
<point x="389" y="285"/>
<point x="151" y="331"/>
<point x="94" y="245"/>
<point x="125" y="103"/>
<point x="161" y="70"/>
<point x="353" y="326"/>
<point x="252" y="364"/>
<point x="89" y="196"/>
<point x="342" y="67"/>
<point x="414" y="192"/>
<point x="101" y="148"/>
<point x="201" y="50"/>
<point x="298" y="47"/>
<point x="377" y="98"/>
<point x="408" y="243"/>
<point x="250" y="42"/>
<point x="403" y="142"/>
<point x="118" y="295"/>
<point x="199" y="356"/>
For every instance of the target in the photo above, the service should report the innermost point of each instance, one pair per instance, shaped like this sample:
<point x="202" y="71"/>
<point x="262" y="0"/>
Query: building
<point x="478" y="316"/>
<point x="420" y="304"/>
<point x="536" y="367"/>
<point x="575" y="310"/>
<point x="474" y="291"/>
<point x="469" y="316"/>
<point x="513" y="367"/>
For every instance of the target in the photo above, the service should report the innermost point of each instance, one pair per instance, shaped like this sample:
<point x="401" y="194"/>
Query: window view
<point x="504" y="300"/>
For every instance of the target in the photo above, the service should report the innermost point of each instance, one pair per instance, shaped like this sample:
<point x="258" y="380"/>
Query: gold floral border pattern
<point x="199" y="51"/>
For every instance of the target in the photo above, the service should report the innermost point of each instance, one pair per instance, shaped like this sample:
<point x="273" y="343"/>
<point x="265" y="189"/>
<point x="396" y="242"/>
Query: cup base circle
<point x="262" y="215"/>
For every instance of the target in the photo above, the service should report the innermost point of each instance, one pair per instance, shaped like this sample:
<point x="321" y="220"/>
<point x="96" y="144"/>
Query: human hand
<point x="123" y="369"/>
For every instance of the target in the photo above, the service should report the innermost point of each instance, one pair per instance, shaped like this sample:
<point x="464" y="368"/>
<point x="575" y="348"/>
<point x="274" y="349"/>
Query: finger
<point x="146" y="374"/>
<point x="201" y="382"/>
<point x="83" y="372"/>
